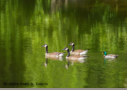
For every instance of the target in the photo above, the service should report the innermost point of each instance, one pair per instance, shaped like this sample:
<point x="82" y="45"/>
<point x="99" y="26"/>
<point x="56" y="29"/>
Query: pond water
<point x="98" y="25"/>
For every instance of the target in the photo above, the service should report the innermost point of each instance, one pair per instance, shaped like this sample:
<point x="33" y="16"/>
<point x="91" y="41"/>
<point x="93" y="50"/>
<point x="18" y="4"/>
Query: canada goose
<point x="109" y="55"/>
<point x="77" y="52"/>
<point x="53" y="54"/>
<point x="77" y="57"/>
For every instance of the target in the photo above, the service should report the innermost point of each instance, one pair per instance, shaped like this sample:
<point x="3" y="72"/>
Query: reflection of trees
<point x="88" y="19"/>
<point x="56" y="4"/>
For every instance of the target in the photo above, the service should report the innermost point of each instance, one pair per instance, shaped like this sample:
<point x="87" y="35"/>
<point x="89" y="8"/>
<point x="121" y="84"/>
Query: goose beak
<point x="43" y="46"/>
<point x="102" y="53"/>
<point x="64" y="49"/>
<point x="70" y="44"/>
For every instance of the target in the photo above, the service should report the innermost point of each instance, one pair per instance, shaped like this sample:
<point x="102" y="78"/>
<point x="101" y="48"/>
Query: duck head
<point x="105" y="53"/>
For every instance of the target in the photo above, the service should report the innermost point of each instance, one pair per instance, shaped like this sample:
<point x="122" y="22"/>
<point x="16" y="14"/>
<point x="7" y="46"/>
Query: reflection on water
<point x="46" y="62"/>
<point x="55" y="58"/>
<point x="110" y="59"/>
<point x="79" y="60"/>
<point x="71" y="62"/>
<point x="100" y="25"/>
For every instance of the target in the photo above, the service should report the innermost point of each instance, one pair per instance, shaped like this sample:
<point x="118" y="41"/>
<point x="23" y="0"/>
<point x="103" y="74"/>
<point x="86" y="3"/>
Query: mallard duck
<point x="109" y="55"/>
<point x="53" y="54"/>
<point x="76" y="57"/>
<point x="77" y="52"/>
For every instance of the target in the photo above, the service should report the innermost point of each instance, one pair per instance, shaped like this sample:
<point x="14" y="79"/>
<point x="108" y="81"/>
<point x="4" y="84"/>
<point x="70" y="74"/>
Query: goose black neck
<point x="73" y="48"/>
<point x="68" y="53"/>
<point x="47" y="49"/>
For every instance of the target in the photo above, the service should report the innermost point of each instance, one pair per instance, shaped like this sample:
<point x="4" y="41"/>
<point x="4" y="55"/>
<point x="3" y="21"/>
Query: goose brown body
<point x="76" y="57"/>
<point x="53" y="57"/>
<point x="53" y="54"/>
<point x="76" y="52"/>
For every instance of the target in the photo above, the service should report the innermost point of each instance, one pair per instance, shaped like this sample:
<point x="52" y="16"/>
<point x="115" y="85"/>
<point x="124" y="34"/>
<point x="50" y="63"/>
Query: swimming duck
<point x="77" y="52"/>
<point x="109" y="55"/>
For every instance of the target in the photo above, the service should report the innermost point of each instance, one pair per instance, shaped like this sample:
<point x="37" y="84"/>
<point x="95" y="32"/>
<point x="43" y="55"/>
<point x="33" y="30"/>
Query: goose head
<point x="66" y="49"/>
<point x="71" y="44"/>
<point x="45" y="45"/>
